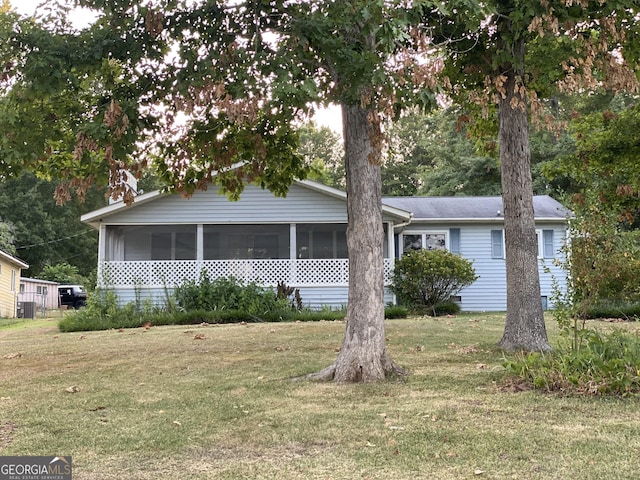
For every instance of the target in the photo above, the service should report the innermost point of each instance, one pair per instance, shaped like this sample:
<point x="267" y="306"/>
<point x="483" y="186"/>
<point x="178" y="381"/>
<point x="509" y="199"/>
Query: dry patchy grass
<point x="216" y="402"/>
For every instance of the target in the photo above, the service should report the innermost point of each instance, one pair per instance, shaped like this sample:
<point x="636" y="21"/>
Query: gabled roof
<point x="13" y="260"/>
<point x="95" y="216"/>
<point x="472" y="208"/>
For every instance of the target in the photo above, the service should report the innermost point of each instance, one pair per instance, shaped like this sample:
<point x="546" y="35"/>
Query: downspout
<point x="392" y="245"/>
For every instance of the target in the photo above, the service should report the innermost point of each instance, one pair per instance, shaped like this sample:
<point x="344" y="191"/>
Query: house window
<point x="39" y="290"/>
<point x="321" y="241"/>
<point x="497" y="244"/>
<point x="548" y="250"/>
<point x="424" y="240"/>
<point x="22" y="288"/>
<point x="544" y="242"/>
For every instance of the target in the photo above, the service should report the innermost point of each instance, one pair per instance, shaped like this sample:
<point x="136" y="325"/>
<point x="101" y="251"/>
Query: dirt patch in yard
<point x="7" y="430"/>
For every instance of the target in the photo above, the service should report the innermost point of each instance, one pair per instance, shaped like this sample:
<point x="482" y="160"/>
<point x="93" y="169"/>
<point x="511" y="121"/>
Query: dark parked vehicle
<point x="73" y="296"/>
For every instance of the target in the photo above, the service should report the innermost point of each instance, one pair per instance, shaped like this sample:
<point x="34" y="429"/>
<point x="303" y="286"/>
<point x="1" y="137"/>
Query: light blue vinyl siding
<point x="255" y="206"/>
<point x="489" y="292"/>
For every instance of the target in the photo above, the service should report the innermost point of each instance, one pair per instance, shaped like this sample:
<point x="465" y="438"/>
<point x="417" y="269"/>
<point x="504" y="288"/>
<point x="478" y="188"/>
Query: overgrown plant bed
<point x="83" y="320"/>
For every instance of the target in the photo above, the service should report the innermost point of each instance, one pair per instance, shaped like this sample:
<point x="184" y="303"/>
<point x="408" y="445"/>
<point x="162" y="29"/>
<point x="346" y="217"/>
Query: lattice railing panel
<point x="167" y="273"/>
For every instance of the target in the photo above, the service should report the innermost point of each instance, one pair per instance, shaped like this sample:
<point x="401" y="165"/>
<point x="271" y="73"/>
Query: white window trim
<point x="423" y="233"/>
<point x="504" y="244"/>
<point x="540" y="242"/>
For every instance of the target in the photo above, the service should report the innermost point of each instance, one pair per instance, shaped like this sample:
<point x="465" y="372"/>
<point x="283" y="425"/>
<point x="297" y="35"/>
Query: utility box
<point x="28" y="309"/>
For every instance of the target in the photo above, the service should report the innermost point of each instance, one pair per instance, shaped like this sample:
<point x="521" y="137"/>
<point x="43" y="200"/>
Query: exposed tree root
<point x="328" y="374"/>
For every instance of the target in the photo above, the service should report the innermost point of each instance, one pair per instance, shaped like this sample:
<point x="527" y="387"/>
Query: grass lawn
<point x="207" y="402"/>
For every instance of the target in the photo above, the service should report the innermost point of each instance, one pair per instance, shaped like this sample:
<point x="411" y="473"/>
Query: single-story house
<point x="149" y="247"/>
<point x="10" y="270"/>
<point x="42" y="293"/>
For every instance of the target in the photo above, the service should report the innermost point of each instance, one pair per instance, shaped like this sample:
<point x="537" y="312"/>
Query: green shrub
<point x="605" y="364"/>
<point x="430" y="277"/>
<point x="446" y="308"/>
<point x="614" y="309"/>
<point x="395" y="311"/>
<point x="228" y="293"/>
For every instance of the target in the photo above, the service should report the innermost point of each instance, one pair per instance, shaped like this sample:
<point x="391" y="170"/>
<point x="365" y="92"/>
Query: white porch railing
<point x="169" y="273"/>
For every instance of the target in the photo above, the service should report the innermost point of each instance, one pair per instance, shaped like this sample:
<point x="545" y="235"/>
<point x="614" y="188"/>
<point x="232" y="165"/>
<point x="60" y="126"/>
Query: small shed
<point x="42" y="293"/>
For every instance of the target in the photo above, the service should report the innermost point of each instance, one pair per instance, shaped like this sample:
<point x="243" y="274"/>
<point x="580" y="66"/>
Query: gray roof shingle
<point x="471" y="208"/>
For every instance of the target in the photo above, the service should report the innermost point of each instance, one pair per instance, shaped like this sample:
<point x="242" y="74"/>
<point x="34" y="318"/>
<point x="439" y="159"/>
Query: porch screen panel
<point x="114" y="243"/>
<point x="160" y="246"/>
<point x="184" y="246"/>
<point x="211" y="240"/>
<point x="172" y="242"/>
<point x="321" y="241"/>
<point x="244" y="242"/>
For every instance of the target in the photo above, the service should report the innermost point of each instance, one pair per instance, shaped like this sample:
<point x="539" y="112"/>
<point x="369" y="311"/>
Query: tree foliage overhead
<point x="196" y="87"/>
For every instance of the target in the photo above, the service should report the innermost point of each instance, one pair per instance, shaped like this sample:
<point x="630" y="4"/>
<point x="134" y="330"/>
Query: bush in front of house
<point x="228" y="293"/>
<point x="428" y="278"/>
<point x="627" y="310"/>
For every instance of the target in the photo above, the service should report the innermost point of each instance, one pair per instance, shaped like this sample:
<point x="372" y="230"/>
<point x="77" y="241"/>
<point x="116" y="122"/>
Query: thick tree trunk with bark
<point x="524" y="327"/>
<point x="363" y="356"/>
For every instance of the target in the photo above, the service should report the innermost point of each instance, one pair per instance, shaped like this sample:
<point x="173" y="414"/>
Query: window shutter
<point x="497" y="248"/>
<point x="547" y="239"/>
<point x="454" y="240"/>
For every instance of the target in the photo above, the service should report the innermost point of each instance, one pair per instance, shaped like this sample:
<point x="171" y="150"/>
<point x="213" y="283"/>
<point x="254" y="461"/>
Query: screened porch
<point x="157" y="256"/>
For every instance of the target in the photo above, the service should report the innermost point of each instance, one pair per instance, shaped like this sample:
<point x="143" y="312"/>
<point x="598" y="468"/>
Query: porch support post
<point x="199" y="242"/>
<point x="391" y="252"/>
<point x="293" y="249"/>
<point x="102" y="253"/>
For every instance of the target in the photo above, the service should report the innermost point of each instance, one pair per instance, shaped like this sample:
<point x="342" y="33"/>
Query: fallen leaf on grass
<point x="199" y="336"/>
<point x="478" y="472"/>
<point x="12" y="355"/>
<point x="463" y="349"/>
<point x="72" y="389"/>
<point x="177" y="423"/>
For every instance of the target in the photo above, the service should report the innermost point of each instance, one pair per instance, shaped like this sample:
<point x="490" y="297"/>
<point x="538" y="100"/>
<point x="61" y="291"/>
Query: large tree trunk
<point x="524" y="327"/>
<point x="363" y="356"/>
